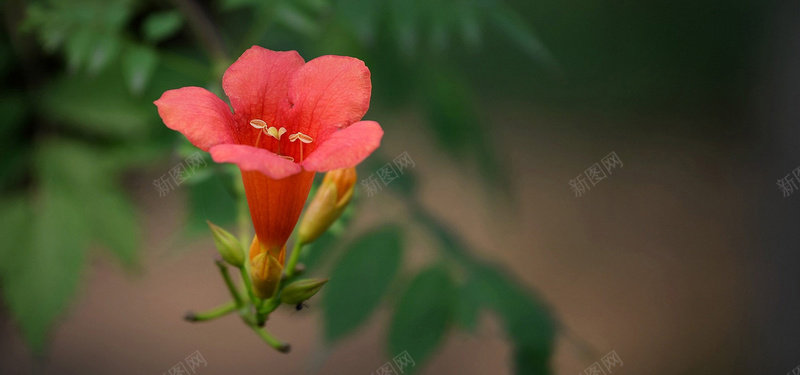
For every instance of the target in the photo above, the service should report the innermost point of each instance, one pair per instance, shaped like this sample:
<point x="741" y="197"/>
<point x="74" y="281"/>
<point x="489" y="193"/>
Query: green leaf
<point x="107" y="213"/>
<point x="469" y="25"/>
<point x="101" y="106"/>
<point x="531" y="361"/>
<point x="46" y="273"/>
<point x="69" y="165"/>
<point x="360" y="280"/>
<point x="77" y="201"/>
<point x="132" y="155"/>
<point x="103" y="52"/>
<point x="295" y="19"/>
<point x="162" y="25"/>
<point x="211" y="199"/>
<point x="237" y="4"/>
<point x="315" y="6"/>
<point x="403" y="19"/>
<point x="468" y="305"/>
<point x="14" y="111"/>
<point x="422" y="315"/>
<point x="515" y="28"/>
<point x="458" y="127"/>
<point x="527" y="322"/>
<point x="114" y="224"/>
<point x="6" y="59"/>
<point x="361" y="16"/>
<point x="91" y="30"/>
<point x="46" y="277"/>
<point x="78" y="46"/>
<point x="138" y="65"/>
<point x="15" y="231"/>
<point x="14" y="147"/>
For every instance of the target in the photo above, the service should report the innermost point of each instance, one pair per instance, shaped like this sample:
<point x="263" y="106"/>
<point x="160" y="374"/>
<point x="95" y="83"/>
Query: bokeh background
<point x="482" y="259"/>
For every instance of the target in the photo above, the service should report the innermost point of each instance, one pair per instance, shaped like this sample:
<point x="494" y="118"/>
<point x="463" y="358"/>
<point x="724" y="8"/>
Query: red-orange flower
<point x="290" y="119"/>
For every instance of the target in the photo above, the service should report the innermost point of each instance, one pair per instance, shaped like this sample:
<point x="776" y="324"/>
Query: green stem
<point x="213" y="313"/>
<point x="293" y="258"/>
<point x="205" y="31"/>
<point x="248" y="285"/>
<point x="223" y="269"/>
<point x="271" y="340"/>
<point x="453" y="246"/>
<point x="267" y="308"/>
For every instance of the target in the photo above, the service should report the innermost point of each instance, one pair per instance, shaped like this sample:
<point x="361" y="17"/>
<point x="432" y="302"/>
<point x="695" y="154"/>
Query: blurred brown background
<point x="651" y="262"/>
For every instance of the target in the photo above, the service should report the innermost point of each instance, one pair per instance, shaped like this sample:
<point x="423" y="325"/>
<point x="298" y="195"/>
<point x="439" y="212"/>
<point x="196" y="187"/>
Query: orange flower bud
<point x="328" y="204"/>
<point x="265" y="271"/>
<point x="256" y="247"/>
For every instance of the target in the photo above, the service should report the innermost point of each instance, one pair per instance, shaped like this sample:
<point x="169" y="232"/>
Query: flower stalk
<point x="271" y="340"/>
<point x="291" y="266"/>
<point x="223" y="270"/>
<point x="212" y="314"/>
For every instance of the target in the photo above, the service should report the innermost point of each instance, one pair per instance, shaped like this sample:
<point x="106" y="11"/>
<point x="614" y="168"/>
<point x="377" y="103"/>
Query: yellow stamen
<point x="258" y="138"/>
<point x="303" y="139"/>
<point x="273" y="132"/>
<point x="276" y="133"/>
<point x="258" y="123"/>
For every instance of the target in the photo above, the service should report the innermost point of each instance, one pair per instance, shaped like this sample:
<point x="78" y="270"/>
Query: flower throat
<point x="277" y="133"/>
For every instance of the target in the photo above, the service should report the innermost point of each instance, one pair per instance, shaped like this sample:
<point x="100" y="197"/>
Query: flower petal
<point x="329" y="92"/>
<point x="249" y="158"/>
<point x="345" y="148"/>
<point x="275" y="207"/>
<point x="258" y="82"/>
<point x="198" y="114"/>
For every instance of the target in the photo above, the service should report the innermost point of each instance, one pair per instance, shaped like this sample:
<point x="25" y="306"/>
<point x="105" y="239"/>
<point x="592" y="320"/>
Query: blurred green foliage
<point x="79" y="80"/>
<point x="360" y="280"/>
<point x="423" y="314"/>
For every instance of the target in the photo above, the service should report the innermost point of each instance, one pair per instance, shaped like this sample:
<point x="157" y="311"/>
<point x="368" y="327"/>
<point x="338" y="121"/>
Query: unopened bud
<point x="256" y="247"/>
<point x="227" y="245"/>
<point x="328" y="204"/>
<point x="301" y="290"/>
<point x="265" y="271"/>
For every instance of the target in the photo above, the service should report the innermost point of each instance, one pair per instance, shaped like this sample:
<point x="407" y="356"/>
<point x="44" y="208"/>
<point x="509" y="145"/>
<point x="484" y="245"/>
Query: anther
<point x="276" y="133"/>
<point x="302" y="137"/>
<point x="258" y="124"/>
